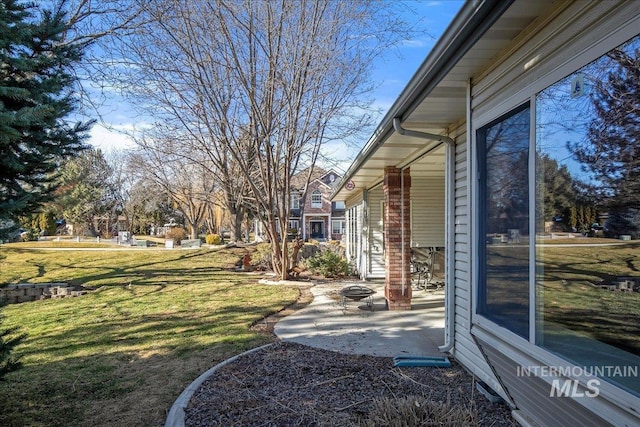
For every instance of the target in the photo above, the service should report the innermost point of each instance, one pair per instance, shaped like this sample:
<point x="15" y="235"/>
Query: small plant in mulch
<point x="409" y="411"/>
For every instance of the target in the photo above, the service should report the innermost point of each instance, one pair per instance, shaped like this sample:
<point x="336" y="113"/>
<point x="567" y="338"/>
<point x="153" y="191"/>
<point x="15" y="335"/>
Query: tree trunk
<point x="237" y="216"/>
<point x="193" y="230"/>
<point x="294" y="271"/>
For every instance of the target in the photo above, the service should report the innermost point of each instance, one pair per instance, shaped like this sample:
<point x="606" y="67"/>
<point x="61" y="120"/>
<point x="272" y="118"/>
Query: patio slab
<point x="353" y="328"/>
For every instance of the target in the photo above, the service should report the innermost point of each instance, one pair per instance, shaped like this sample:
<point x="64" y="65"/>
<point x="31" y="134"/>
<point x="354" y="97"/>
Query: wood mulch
<point x="290" y="384"/>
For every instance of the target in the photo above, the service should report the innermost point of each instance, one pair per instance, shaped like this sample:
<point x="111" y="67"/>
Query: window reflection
<point x="504" y="153"/>
<point x="588" y="214"/>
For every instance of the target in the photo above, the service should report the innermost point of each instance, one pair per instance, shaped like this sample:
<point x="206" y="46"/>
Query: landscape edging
<point x="175" y="418"/>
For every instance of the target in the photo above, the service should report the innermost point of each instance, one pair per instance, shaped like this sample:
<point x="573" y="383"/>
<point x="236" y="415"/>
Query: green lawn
<point x="120" y="355"/>
<point x="571" y="299"/>
<point x="568" y="295"/>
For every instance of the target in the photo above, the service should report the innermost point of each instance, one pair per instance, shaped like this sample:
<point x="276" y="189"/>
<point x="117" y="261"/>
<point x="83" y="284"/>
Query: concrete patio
<point x="356" y="329"/>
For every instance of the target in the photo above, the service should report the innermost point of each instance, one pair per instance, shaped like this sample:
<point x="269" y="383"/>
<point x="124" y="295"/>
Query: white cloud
<point x="415" y="43"/>
<point x="110" y="140"/>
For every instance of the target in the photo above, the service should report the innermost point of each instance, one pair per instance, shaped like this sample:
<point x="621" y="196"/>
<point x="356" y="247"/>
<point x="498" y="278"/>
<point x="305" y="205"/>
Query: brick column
<point x="393" y="219"/>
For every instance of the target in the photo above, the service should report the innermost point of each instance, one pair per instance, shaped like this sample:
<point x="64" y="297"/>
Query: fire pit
<point x="357" y="293"/>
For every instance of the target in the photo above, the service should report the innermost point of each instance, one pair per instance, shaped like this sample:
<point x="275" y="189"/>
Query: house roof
<point x="435" y="99"/>
<point x="299" y="180"/>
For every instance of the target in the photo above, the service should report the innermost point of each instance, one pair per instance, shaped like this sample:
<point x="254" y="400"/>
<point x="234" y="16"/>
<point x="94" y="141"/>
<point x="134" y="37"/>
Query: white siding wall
<point x="427" y="211"/>
<point x="375" y="247"/>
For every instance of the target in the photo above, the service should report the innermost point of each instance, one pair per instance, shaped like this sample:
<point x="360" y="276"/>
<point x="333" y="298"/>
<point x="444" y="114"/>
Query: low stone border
<point x="176" y="414"/>
<point x="26" y="292"/>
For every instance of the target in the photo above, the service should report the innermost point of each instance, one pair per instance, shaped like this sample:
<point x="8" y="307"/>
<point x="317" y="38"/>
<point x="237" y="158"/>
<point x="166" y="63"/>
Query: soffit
<point x="441" y="106"/>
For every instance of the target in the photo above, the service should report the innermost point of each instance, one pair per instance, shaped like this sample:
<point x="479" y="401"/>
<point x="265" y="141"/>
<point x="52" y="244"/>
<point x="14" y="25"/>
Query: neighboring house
<point x="453" y="165"/>
<point x="318" y="218"/>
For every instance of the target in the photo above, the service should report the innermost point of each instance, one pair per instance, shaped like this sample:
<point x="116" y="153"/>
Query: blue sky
<point x="391" y="74"/>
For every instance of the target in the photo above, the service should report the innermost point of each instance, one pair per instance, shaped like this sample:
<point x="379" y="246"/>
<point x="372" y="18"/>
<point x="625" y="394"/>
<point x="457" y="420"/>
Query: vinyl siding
<point x="563" y="42"/>
<point x="375" y="246"/>
<point x="427" y="212"/>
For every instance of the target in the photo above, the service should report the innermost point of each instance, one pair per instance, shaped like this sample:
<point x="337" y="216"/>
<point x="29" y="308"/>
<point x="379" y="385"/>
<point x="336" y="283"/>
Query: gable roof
<point x="318" y="174"/>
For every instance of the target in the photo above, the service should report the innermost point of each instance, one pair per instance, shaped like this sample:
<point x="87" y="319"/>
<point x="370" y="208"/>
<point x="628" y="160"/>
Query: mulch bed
<point x="289" y="384"/>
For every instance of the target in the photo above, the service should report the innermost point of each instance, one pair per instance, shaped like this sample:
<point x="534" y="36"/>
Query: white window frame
<point x="314" y="195"/>
<point x="295" y="201"/>
<point x="499" y="106"/>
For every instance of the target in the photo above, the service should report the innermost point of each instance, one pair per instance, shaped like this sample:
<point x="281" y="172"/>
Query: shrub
<point x="309" y="250"/>
<point x="177" y="234"/>
<point x="261" y="258"/>
<point x="213" y="239"/>
<point x="329" y="264"/>
<point x="31" y="235"/>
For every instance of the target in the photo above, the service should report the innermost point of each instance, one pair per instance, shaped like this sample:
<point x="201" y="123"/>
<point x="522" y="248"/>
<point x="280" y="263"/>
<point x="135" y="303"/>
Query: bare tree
<point x="189" y="184"/>
<point x="231" y="190"/>
<point x="258" y="86"/>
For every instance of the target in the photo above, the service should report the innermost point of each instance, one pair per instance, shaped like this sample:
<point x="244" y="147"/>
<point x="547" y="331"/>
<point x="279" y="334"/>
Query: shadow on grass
<point x="120" y="357"/>
<point x="104" y="268"/>
<point x="114" y="389"/>
<point x="567" y="278"/>
<point x="572" y="299"/>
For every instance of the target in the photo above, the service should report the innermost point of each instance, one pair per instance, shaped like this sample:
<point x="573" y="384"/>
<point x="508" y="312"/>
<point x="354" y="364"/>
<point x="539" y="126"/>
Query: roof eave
<point x="470" y="23"/>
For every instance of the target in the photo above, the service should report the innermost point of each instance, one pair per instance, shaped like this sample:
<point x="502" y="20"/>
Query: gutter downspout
<point x="404" y="277"/>
<point x="450" y="231"/>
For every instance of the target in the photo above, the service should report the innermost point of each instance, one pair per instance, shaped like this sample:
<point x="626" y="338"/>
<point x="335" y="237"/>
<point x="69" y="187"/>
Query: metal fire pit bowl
<point x="357" y="293"/>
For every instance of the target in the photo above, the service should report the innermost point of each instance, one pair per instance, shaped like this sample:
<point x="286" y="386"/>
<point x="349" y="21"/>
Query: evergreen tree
<point x="558" y="187"/>
<point x="85" y="190"/>
<point x="612" y="149"/>
<point x="573" y="218"/>
<point x="35" y="98"/>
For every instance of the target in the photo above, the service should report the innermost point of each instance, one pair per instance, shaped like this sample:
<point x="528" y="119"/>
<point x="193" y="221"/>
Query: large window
<point x="503" y="148"/>
<point x="583" y="197"/>
<point x="588" y="199"/>
<point x="295" y="201"/>
<point x="316" y="199"/>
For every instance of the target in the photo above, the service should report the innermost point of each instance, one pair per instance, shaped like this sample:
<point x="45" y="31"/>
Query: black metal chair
<point x="422" y="263"/>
